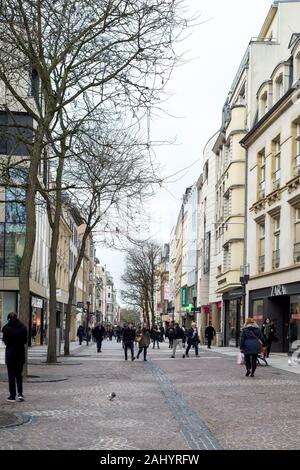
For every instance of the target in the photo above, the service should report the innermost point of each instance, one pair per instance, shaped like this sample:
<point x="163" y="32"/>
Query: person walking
<point x="14" y="338"/>
<point x="119" y="334"/>
<point x="155" y="335"/>
<point x="144" y="341"/>
<point x="269" y="331"/>
<point x="80" y="334"/>
<point x="210" y="333"/>
<point x="251" y="342"/>
<point x="170" y="334"/>
<point x="178" y="337"/>
<point x="99" y="333"/>
<point x="193" y="340"/>
<point x="128" y="340"/>
<point x="162" y="334"/>
<point x="33" y="333"/>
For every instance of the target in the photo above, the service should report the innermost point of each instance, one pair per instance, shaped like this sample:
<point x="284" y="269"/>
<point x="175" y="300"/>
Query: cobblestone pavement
<point x="164" y="404"/>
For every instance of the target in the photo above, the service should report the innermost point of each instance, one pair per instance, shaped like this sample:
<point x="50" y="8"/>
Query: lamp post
<point x="87" y="322"/>
<point x="244" y="279"/>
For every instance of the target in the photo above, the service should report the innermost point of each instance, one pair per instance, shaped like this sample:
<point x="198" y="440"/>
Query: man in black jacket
<point x="99" y="332"/>
<point x="128" y="340"/>
<point x="15" y="338"/>
<point x="210" y="332"/>
<point x="178" y="337"/>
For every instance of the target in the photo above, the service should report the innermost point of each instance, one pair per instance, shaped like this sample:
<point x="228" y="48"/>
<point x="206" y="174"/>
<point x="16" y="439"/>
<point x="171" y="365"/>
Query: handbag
<point x="241" y="358"/>
<point x="261" y="346"/>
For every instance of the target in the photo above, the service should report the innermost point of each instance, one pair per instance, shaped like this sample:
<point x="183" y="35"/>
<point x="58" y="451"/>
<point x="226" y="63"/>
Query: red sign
<point x="296" y="316"/>
<point x="219" y="305"/>
<point x="206" y="309"/>
<point x="258" y="317"/>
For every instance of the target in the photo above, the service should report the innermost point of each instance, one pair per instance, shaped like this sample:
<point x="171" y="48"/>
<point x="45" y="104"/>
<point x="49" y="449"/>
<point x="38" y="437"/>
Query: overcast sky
<point x="197" y="92"/>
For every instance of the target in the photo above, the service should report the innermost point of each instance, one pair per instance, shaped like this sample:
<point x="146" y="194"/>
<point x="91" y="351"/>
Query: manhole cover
<point x="11" y="419"/>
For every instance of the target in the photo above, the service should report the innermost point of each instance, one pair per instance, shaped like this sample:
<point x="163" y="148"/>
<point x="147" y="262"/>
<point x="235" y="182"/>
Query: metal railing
<point x="276" y="259"/>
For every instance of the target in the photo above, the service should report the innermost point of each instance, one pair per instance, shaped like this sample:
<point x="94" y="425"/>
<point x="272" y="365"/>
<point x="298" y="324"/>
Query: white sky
<point x="198" y="91"/>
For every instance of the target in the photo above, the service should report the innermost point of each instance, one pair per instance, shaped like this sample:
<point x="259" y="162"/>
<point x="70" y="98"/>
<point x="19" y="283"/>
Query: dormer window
<point x="297" y="66"/>
<point x="263" y="104"/>
<point x="279" y="89"/>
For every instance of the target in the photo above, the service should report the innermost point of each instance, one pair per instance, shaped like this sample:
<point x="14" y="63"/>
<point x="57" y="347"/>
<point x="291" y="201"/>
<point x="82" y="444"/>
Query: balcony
<point x="276" y="259"/>
<point x="261" y="264"/>
<point x="297" y="253"/>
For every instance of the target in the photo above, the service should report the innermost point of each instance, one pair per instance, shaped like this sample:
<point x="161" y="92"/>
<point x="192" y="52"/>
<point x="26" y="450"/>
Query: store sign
<point x="258" y="317"/>
<point x="278" y="291"/>
<point x="36" y="302"/>
<point x="183" y="297"/>
<point x="296" y="316"/>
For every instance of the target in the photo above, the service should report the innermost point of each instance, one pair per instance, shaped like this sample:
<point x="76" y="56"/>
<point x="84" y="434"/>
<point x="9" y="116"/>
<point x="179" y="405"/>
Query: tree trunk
<point x="30" y="235"/>
<point x="71" y="290"/>
<point x="51" y="353"/>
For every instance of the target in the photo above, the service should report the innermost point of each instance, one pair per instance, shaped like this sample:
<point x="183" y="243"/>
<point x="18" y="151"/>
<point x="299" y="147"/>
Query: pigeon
<point x="111" y="396"/>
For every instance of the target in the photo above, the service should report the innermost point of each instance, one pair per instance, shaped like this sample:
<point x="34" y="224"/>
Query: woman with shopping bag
<point x="252" y="343"/>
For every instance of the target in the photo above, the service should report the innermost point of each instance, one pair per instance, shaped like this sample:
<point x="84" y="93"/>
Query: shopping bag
<point x="240" y="358"/>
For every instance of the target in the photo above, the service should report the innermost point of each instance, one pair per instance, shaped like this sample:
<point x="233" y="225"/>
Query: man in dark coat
<point x="128" y="340"/>
<point x="178" y="337"/>
<point x="15" y="338"/>
<point x="210" y="332"/>
<point x="80" y="334"/>
<point x="99" y="333"/>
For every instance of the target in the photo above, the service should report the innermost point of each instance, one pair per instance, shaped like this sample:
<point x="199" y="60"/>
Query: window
<point x="279" y="87"/>
<point x="276" y="163"/>
<point x="261" y="174"/>
<point x="15" y="133"/>
<point x="261" y="247"/>
<point x="297" y="236"/>
<point x="263" y="104"/>
<point x="297" y="158"/>
<point x="276" y="242"/>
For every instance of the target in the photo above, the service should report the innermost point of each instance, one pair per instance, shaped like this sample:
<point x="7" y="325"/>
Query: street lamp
<point x="87" y="322"/>
<point x="244" y="279"/>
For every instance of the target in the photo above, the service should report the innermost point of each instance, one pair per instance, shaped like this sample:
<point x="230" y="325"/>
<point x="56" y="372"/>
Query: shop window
<point x="294" y="326"/>
<point x="258" y="311"/>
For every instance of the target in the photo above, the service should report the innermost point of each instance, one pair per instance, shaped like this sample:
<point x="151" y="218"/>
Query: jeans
<point x="196" y="348"/>
<point x="171" y="342"/>
<point x="99" y="344"/>
<point x="15" y="375"/>
<point x="269" y="345"/>
<point x="129" y="344"/>
<point x="155" y="341"/>
<point x="145" y="352"/>
<point x="209" y="341"/>
<point x="251" y="362"/>
<point x="177" y="342"/>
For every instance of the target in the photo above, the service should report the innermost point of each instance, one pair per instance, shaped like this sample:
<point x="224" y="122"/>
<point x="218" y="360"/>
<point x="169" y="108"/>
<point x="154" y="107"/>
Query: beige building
<point x="239" y="114"/>
<point x="273" y="233"/>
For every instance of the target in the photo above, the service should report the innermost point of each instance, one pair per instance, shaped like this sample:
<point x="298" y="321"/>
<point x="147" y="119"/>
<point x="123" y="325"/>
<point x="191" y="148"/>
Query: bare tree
<point x="64" y="58"/>
<point x="139" y="278"/>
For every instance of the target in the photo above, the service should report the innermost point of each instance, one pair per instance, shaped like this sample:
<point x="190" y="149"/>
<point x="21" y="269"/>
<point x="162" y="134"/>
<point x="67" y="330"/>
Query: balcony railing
<point x="276" y="259"/>
<point x="261" y="264"/>
<point x="297" y="253"/>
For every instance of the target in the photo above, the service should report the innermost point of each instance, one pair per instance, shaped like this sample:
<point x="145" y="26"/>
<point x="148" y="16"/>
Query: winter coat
<point x="250" y="340"/>
<point x="146" y="340"/>
<point x="155" y="334"/>
<point x="128" y="335"/>
<point x="272" y="332"/>
<point x="210" y="332"/>
<point x="15" y="338"/>
<point x="99" y="332"/>
<point x="80" y="332"/>
<point x="170" y="333"/>
<point x="178" y="333"/>
<point x="192" y="337"/>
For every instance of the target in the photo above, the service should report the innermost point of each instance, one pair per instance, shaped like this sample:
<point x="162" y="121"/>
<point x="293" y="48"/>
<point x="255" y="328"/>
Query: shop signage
<point x="278" y="291"/>
<point x="183" y="297"/>
<point x="258" y="317"/>
<point x="36" y="302"/>
<point x="296" y="316"/>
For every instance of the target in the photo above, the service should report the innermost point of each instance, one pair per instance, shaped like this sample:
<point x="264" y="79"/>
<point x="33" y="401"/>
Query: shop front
<point x="37" y="323"/>
<point x="8" y="304"/>
<point x="234" y="317"/>
<point x="281" y="303"/>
